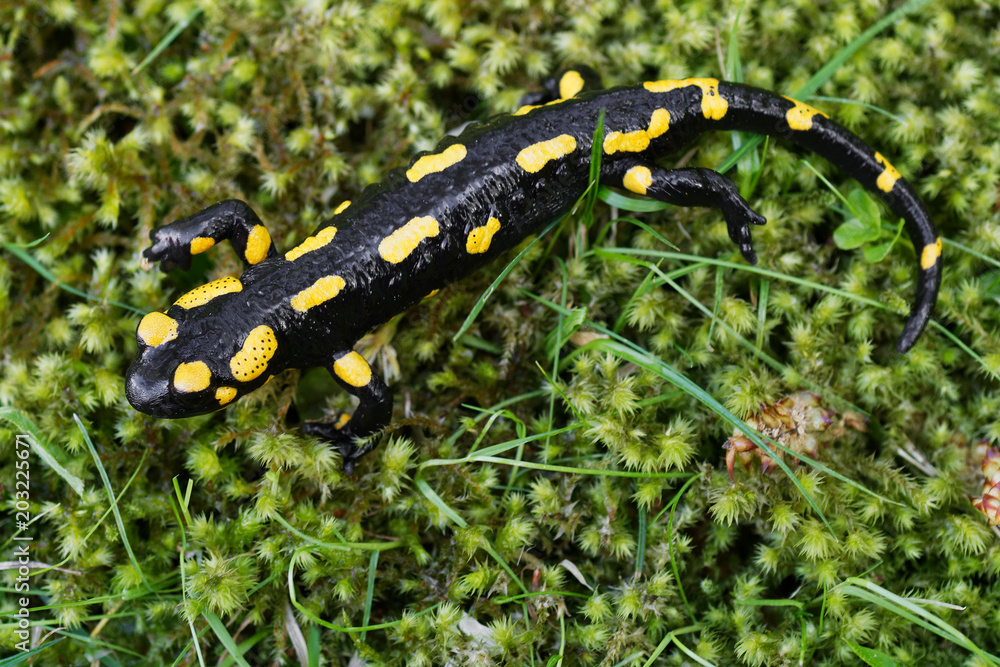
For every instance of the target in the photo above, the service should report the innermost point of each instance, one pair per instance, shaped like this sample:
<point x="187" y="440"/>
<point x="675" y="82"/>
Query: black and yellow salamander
<point x="450" y="212"/>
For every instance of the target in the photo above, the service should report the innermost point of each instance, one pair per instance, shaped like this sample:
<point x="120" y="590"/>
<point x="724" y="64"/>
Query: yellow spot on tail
<point x="570" y="84"/>
<point x="638" y="141"/>
<point x="319" y="292"/>
<point x="713" y="105"/>
<point x="258" y="348"/>
<point x="189" y="378"/>
<point x="397" y="246"/>
<point x="800" y="117"/>
<point x="200" y="244"/>
<point x="342" y="422"/>
<point x="525" y="109"/>
<point x="929" y="255"/>
<point x="432" y="164"/>
<point x="258" y="243"/>
<point x="340" y="209"/>
<point x="480" y="238"/>
<point x="322" y="237"/>
<point x="353" y="369"/>
<point x="156" y="329"/>
<point x="637" y="179"/>
<point x="536" y="156"/>
<point x="888" y="177"/>
<point x="225" y="395"/>
<point x="432" y="293"/>
<point x="199" y="296"/>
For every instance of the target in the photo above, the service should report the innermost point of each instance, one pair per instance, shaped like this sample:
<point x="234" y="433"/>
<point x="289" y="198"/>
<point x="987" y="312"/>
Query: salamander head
<point x="194" y="361"/>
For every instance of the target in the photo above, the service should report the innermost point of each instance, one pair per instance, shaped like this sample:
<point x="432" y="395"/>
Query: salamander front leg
<point x="373" y="413"/>
<point x="174" y="244"/>
<point x="689" y="187"/>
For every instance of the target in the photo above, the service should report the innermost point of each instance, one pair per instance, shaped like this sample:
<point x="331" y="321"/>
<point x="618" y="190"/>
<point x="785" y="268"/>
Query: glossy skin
<point x="452" y="211"/>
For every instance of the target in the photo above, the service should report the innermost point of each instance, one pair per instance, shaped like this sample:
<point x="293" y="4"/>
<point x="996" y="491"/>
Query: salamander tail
<point x="784" y="118"/>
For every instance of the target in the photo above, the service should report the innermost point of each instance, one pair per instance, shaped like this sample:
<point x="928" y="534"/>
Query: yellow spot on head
<point x="800" y="116"/>
<point x="929" y="255"/>
<point x="319" y="292"/>
<point x="397" y="246"/>
<point x="199" y="296"/>
<point x="352" y="369"/>
<point x="480" y="238"/>
<point x="638" y="141"/>
<point x="200" y="244"/>
<point x="887" y="179"/>
<point x="570" y="84"/>
<point x="536" y="156"/>
<point x="192" y="377"/>
<point x="637" y="179"/>
<point x="258" y="348"/>
<point x="342" y="422"/>
<point x="525" y="109"/>
<point x="713" y="105"/>
<point x="322" y="237"/>
<point x="225" y="394"/>
<point x="340" y="209"/>
<point x="433" y="292"/>
<point x="258" y="243"/>
<point x="156" y="329"/>
<point x="432" y="164"/>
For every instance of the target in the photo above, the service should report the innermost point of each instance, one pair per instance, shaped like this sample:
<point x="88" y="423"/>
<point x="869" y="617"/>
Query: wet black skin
<point x="487" y="183"/>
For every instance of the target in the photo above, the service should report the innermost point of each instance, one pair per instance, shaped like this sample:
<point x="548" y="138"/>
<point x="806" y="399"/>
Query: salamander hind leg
<point x="175" y="244"/>
<point x="373" y="413"/>
<point x="688" y="187"/>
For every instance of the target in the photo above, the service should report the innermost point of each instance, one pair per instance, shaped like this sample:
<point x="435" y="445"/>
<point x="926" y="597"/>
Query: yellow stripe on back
<point x="533" y="158"/>
<point x="319" y="292"/>
<point x="479" y="239"/>
<point x="887" y="179"/>
<point x="199" y="296"/>
<point x="713" y="105"/>
<point x="800" y="117"/>
<point x="397" y="246"/>
<point x="929" y="255"/>
<point x="432" y="164"/>
<point x="322" y="237"/>
<point x="638" y="141"/>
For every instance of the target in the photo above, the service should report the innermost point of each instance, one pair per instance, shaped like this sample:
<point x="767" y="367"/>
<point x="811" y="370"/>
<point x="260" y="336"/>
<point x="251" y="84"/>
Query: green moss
<point x="296" y="108"/>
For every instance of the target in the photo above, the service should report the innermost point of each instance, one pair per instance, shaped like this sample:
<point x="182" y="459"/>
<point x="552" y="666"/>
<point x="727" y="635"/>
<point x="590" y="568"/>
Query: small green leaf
<point x="876" y="253"/>
<point x="871" y="656"/>
<point x="864" y="208"/>
<point x="854" y="234"/>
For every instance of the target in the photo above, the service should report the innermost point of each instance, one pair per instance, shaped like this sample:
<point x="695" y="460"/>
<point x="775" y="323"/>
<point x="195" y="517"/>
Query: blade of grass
<point x="113" y="500"/>
<point x="168" y="39"/>
<point x="227" y="640"/>
<point x="18" y="251"/>
<point x="24" y="424"/>
<point x="476" y="309"/>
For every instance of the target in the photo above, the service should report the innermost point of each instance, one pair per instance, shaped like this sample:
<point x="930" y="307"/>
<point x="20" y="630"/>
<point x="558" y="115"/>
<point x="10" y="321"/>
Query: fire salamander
<point x="451" y="211"/>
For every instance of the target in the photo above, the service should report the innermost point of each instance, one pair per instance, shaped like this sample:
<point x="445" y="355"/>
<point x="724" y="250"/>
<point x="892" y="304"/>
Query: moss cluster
<point x="578" y="508"/>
